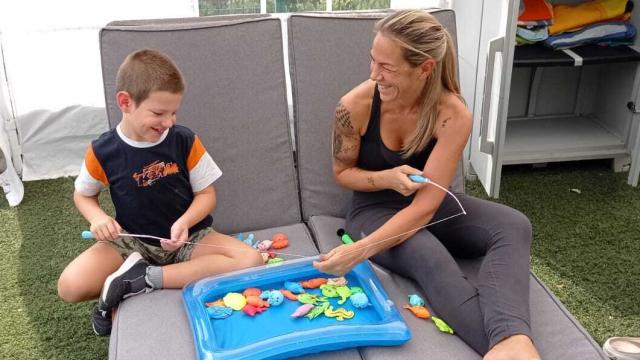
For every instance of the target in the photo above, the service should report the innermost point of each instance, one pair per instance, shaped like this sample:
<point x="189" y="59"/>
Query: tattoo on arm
<point x="343" y="117"/>
<point x="337" y="143"/>
<point x="346" y="141"/>
<point x="370" y="181"/>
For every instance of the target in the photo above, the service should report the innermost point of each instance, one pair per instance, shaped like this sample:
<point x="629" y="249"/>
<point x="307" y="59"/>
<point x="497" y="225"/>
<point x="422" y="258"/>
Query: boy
<point x="160" y="178"/>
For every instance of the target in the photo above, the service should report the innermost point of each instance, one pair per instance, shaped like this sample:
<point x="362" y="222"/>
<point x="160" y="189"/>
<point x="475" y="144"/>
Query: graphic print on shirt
<point x="155" y="171"/>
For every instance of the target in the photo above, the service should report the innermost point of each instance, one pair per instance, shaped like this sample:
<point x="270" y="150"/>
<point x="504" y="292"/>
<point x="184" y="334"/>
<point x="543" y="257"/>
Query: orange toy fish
<point x="251" y="291"/>
<point x="419" y="311"/>
<point x="289" y="295"/>
<point x="313" y="283"/>
<point x="280" y="241"/>
<point x="218" y="302"/>
<point x="256" y="301"/>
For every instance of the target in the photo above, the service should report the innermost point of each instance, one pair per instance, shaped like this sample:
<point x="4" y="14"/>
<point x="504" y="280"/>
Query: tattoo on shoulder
<point x="444" y="122"/>
<point x="343" y="117"/>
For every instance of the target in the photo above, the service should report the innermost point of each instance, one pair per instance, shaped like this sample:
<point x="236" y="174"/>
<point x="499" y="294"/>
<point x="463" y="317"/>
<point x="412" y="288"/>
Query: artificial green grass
<point x="586" y="245"/>
<point x="586" y="249"/>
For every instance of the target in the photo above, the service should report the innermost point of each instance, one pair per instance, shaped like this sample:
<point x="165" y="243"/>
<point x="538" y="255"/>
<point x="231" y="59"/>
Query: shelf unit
<point x="576" y="135"/>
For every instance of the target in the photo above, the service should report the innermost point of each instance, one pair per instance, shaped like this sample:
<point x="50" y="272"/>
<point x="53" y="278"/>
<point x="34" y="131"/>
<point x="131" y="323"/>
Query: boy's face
<point x="148" y="120"/>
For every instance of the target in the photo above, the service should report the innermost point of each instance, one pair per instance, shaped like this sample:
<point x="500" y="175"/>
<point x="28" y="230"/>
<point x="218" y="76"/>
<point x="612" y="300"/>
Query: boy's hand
<point x="179" y="234"/>
<point x="105" y="228"/>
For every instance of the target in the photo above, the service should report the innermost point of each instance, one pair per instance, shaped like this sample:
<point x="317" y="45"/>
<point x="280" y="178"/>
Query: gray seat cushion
<point x="557" y="334"/>
<point x="155" y="326"/>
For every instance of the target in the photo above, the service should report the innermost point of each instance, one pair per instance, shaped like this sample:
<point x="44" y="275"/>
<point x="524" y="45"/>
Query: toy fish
<point x="340" y="313"/>
<point x="219" y="312"/>
<point x="275" y="298"/>
<point x="329" y="290"/>
<point x="280" y="241"/>
<point x="264" y="245"/>
<point x="344" y="292"/>
<point x="419" y="311"/>
<point x="302" y="310"/>
<point x="249" y="240"/>
<point x="257" y="301"/>
<point x="313" y="283"/>
<point x="234" y="300"/>
<point x="415" y="300"/>
<point x="356" y="289"/>
<point x="441" y="325"/>
<point x="252" y="310"/>
<point x="359" y="300"/>
<point x="317" y="310"/>
<point x="307" y="298"/>
<point x="275" y="261"/>
<point x="218" y="302"/>
<point x="339" y="281"/>
<point x="289" y="295"/>
<point x="294" y="287"/>
<point x="251" y="291"/>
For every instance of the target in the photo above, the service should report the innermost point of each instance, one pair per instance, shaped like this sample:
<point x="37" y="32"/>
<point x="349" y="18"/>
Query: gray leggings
<point x="481" y="313"/>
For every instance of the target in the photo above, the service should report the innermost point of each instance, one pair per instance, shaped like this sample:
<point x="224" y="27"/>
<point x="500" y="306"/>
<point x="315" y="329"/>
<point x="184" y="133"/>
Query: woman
<point x="409" y="118"/>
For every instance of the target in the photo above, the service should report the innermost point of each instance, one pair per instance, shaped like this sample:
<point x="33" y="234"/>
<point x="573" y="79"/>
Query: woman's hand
<point x="105" y="228"/>
<point x="398" y="179"/>
<point x="340" y="260"/>
<point x="179" y="234"/>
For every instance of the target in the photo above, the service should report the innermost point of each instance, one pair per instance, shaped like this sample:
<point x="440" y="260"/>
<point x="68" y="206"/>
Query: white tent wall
<point x="51" y="92"/>
<point x="51" y="97"/>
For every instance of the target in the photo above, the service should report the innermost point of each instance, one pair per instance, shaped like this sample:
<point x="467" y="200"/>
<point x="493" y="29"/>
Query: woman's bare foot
<point x="516" y="347"/>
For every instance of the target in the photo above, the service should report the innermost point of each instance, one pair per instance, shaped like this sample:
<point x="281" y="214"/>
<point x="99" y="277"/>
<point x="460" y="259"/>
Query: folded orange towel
<point x="566" y="17"/>
<point x="535" y="10"/>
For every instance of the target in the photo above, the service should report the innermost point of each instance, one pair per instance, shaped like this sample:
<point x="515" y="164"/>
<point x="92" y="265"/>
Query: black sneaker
<point x="127" y="281"/>
<point x="101" y="321"/>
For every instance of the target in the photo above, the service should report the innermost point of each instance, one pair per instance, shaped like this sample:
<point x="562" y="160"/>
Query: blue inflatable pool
<point x="274" y="334"/>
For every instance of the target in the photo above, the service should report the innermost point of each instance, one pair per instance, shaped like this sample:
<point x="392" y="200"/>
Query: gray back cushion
<point x="321" y="72"/>
<point x="235" y="100"/>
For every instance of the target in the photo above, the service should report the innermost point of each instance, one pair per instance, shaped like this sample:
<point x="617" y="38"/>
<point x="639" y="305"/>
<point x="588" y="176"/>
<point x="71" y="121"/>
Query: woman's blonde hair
<point x="422" y="37"/>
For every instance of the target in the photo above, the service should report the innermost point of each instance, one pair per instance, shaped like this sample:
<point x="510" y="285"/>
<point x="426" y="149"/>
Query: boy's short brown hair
<point x="148" y="70"/>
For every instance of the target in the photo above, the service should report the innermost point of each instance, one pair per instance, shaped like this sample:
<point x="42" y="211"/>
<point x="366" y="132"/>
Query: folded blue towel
<point x="595" y="33"/>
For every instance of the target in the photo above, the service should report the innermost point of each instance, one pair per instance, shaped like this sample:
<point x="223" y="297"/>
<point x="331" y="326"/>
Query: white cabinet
<point x="532" y="104"/>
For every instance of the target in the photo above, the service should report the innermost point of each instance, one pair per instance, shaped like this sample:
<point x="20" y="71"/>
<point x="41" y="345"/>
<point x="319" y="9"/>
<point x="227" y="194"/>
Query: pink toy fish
<point x="264" y="245"/>
<point x="302" y="310"/>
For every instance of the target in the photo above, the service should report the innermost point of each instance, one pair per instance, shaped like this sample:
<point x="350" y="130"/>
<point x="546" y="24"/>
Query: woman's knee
<point x="521" y="226"/>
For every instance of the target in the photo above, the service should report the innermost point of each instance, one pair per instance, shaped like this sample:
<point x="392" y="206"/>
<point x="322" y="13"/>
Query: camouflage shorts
<point x="156" y="255"/>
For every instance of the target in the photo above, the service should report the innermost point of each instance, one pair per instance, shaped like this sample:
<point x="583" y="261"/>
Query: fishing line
<point x="416" y="178"/>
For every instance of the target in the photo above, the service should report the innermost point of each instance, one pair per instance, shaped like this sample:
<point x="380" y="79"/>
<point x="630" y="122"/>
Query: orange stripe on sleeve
<point x="197" y="150"/>
<point x="94" y="167"/>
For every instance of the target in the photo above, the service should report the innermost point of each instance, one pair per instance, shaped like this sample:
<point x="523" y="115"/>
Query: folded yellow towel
<point x="566" y="17"/>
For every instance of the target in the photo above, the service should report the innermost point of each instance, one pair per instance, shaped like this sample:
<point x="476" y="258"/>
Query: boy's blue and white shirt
<point x="151" y="184"/>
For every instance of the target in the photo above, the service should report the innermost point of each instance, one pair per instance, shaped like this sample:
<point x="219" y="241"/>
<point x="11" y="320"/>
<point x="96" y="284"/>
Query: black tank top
<point x="375" y="156"/>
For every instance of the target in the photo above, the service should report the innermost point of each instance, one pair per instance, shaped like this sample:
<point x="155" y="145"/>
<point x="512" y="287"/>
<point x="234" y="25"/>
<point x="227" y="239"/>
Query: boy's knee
<point x="68" y="291"/>
<point x="254" y="260"/>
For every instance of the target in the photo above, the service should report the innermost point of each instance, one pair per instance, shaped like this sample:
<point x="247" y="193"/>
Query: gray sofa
<point x="236" y="100"/>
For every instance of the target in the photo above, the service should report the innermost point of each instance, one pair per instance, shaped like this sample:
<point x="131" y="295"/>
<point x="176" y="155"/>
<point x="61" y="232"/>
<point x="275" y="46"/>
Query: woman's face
<point x="394" y="76"/>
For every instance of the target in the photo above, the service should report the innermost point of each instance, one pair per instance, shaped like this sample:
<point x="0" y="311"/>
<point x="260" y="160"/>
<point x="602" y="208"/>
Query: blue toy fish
<point x="415" y="300"/>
